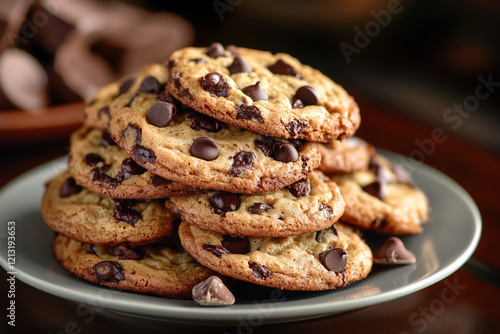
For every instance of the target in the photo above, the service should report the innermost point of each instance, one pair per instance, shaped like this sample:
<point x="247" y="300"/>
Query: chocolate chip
<point x="127" y="253"/>
<point x="297" y="143"/>
<point x="239" y="65"/>
<point x="379" y="222"/>
<point x="236" y="245"/>
<point x="205" y="148"/>
<point x="91" y="249"/>
<point x="224" y="201"/>
<point x="266" y="145"/>
<point x="104" y="112"/>
<point x="106" y="139"/>
<point x="296" y="103"/>
<point x="203" y="122"/>
<point x="176" y="78"/>
<point x="305" y="165"/>
<point x="69" y="187"/>
<point x="332" y="229"/>
<point x="300" y="188"/>
<point x="158" y="181"/>
<point x="93" y="159"/>
<point x="286" y="153"/>
<point x="124" y="211"/>
<point x="131" y="167"/>
<point x="308" y="95"/>
<point x="377" y="189"/>
<point x="108" y="271"/>
<point x="125" y="86"/>
<point x="215" y="50"/>
<point x="165" y="96"/>
<point x="216" y="250"/>
<point x="334" y="259"/>
<point x="143" y="154"/>
<point x="282" y="67"/>
<point x="137" y="131"/>
<point x="256" y="92"/>
<point x="259" y="271"/>
<point x="99" y="174"/>
<point x="296" y="127"/>
<point x="242" y="162"/>
<point x="328" y="210"/>
<point x="215" y="84"/>
<point x="244" y="111"/>
<point x="171" y="63"/>
<point x="393" y="251"/>
<point x="161" y="113"/>
<point x="212" y="292"/>
<point x="150" y="85"/>
<point x="258" y="208"/>
<point x="185" y="93"/>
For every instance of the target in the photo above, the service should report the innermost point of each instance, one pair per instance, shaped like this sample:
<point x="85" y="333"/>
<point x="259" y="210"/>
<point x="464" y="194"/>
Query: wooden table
<point x="475" y="309"/>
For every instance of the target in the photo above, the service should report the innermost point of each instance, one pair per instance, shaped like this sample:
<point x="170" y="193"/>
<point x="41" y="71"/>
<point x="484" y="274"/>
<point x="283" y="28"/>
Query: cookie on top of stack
<point x="228" y="162"/>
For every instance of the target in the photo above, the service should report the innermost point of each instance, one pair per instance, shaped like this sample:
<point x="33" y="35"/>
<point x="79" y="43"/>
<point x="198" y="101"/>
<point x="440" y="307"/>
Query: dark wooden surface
<point x="476" y="309"/>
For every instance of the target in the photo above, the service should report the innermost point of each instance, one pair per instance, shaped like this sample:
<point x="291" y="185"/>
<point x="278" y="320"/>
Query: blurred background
<point x="423" y="60"/>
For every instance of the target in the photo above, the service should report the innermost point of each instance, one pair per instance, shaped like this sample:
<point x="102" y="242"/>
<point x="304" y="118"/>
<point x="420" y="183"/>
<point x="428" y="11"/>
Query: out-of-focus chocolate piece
<point x="393" y="252"/>
<point x="212" y="292"/>
<point x="12" y="16"/>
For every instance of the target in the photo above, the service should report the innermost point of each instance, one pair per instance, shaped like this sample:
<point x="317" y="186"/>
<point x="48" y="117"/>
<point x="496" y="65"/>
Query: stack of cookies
<point x="229" y="162"/>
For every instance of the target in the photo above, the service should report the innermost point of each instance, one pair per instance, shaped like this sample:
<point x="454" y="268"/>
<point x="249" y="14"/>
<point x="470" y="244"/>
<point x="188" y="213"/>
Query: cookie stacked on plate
<point x="232" y="141"/>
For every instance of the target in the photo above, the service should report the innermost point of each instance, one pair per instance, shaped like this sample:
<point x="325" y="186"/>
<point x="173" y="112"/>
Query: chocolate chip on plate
<point x="256" y="92"/>
<point x="205" y="148"/>
<point x="161" y="113"/>
<point x="393" y="252"/>
<point x="334" y="259"/>
<point x="212" y="292"/>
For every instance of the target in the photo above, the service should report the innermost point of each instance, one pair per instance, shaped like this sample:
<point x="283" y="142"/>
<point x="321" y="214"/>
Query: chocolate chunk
<point x="109" y="271"/>
<point x="104" y="112"/>
<point x="158" y="181"/>
<point x="212" y="292"/>
<point x="150" y="85"/>
<point x="215" y="84"/>
<point x="239" y="65"/>
<point x="308" y="95"/>
<point x="125" y="86"/>
<point x="296" y="127"/>
<point x="127" y="253"/>
<point x="377" y="189"/>
<point x="300" y="188"/>
<point x="215" y="50"/>
<point x="203" y="122"/>
<point x="334" y="259"/>
<point x="99" y="174"/>
<point x="286" y="153"/>
<point x="124" y="211"/>
<point x="131" y="167"/>
<point x="266" y="145"/>
<point x="93" y="159"/>
<point x="69" y="187"/>
<point x="216" y="250"/>
<point x="259" y="271"/>
<point x="244" y="111"/>
<point x="225" y="201"/>
<point x="205" y="148"/>
<point x="161" y="113"/>
<point x="328" y="210"/>
<point x="143" y="154"/>
<point x="256" y="92"/>
<point x="106" y="139"/>
<point x="282" y="67"/>
<point x="393" y="251"/>
<point x="236" y="245"/>
<point x="242" y="162"/>
<point x="258" y="208"/>
<point x="332" y="229"/>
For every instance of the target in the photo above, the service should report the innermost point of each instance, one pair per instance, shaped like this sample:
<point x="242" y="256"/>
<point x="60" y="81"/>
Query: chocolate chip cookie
<point x="183" y="145"/>
<point x="305" y="206"/>
<point x="157" y="269"/>
<point x="98" y="164"/>
<point x="347" y="156"/>
<point x="383" y="198"/>
<point x="321" y="260"/>
<point x="272" y="94"/>
<point x="81" y="214"/>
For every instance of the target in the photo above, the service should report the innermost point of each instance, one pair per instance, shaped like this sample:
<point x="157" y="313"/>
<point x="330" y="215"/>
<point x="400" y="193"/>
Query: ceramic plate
<point x="438" y="255"/>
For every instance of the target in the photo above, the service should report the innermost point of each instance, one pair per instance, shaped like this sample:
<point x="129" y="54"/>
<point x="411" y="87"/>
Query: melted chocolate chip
<point x="161" y="113"/>
<point x="259" y="271"/>
<point x="143" y="154"/>
<point x="106" y="139"/>
<point x="236" y="245"/>
<point x="334" y="259"/>
<point x="242" y="162"/>
<point x="256" y="92"/>
<point x="99" y="174"/>
<point x="216" y="250"/>
<point x="328" y="210"/>
<point x="296" y="127"/>
<point x="185" y="93"/>
<point x="93" y="159"/>
<point x="215" y="84"/>
<point x="127" y="253"/>
<point x="308" y="95"/>
<point x="266" y="145"/>
<point x="377" y="189"/>
<point x="300" y="188"/>
<point x="125" y="86"/>
<point x="286" y="153"/>
<point x="150" y="85"/>
<point x="69" y="187"/>
<point x="205" y="148"/>
<point x="131" y="167"/>
<point x="104" y="112"/>
<point x="258" y="208"/>
<point x="203" y="122"/>
<point x="332" y="229"/>
<point x="158" y="181"/>
<point x="282" y="67"/>
<point x="109" y="271"/>
<point x="239" y="65"/>
<point x="297" y="143"/>
<point x="124" y="211"/>
<point x="137" y="131"/>
<point x="224" y="201"/>
<point x="215" y="50"/>
<point x="244" y="111"/>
